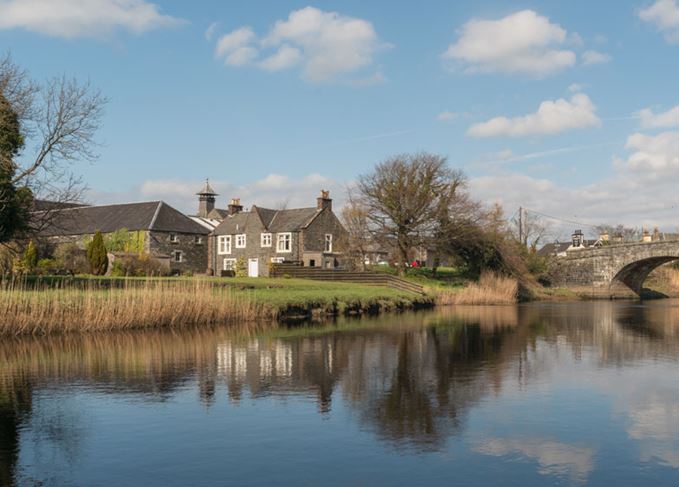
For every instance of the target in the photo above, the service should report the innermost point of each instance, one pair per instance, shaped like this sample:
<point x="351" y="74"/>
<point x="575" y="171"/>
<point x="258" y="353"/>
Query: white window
<point x="173" y="238"/>
<point x="277" y="260"/>
<point x="284" y="242"/>
<point x="177" y="256"/>
<point x="328" y="243"/>
<point x="224" y="244"/>
<point x="266" y="240"/>
<point x="240" y="241"/>
<point x="198" y="240"/>
<point x="229" y="264"/>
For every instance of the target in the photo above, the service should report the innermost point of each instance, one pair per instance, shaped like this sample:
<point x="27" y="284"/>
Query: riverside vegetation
<point x="54" y="304"/>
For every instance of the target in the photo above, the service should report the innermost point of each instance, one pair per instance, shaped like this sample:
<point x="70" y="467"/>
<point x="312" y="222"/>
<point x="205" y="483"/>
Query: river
<point x="535" y="394"/>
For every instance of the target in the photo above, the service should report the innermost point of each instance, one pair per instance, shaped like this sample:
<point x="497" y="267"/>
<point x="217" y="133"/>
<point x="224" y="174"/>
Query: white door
<point x="253" y="267"/>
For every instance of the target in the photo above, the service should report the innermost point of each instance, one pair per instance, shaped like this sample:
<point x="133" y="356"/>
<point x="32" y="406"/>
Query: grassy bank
<point x="94" y="304"/>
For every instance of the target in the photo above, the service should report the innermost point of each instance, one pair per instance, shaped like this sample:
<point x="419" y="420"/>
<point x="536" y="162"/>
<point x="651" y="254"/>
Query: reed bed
<point x="490" y="289"/>
<point x="40" y="309"/>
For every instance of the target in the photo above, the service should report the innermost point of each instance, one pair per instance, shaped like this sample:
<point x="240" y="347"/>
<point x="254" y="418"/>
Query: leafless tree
<point x="59" y="120"/>
<point x="535" y="229"/>
<point x="403" y="198"/>
<point x="358" y="238"/>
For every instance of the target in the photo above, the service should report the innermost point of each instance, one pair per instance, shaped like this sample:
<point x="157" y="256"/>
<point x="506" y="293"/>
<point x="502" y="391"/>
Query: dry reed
<point x="150" y="304"/>
<point x="490" y="289"/>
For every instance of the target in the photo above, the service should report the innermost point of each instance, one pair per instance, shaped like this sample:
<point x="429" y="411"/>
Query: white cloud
<point x="576" y="88"/>
<point x="667" y="119"/>
<point x="659" y="153"/>
<point x="524" y="42"/>
<point x="552" y="117"/>
<point x="235" y="47"/>
<point x="284" y="58"/>
<point x="83" y="18"/>
<point x="211" y="30"/>
<point x="594" y="57"/>
<point x="327" y="45"/>
<point x="664" y="14"/>
<point x="271" y="191"/>
<point x="446" y="116"/>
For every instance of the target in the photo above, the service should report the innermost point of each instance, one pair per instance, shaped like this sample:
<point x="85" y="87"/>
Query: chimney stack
<point x="323" y="201"/>
<point x="235" y="206"/>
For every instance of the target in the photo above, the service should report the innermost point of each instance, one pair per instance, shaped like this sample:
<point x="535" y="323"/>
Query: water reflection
<point x="475" y="378"/>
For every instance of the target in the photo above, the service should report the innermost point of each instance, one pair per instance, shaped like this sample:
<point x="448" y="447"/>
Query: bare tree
<point x="358" y="238"/>
<point x="403" y="197"/>
<point x="59" y="120"/>
<point x="532" y="229"/>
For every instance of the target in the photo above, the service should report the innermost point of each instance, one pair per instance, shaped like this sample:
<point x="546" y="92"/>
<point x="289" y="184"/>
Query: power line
<point x="573" y="222"/>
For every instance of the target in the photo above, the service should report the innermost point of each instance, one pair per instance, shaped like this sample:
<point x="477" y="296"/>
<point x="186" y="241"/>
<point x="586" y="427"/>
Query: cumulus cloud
<point x="664" y="15"/>
<point x="524" y="42"/>
<point x="594" y="57"/>
<point x="272" y="191"/>
<point x="552" y="117"/>
<point x="659" y="153"/>
<point x="667" y="119"/>
<point x="326" y="45"/>
<point x="83" y="18"/>
<point x="235" y="49"/>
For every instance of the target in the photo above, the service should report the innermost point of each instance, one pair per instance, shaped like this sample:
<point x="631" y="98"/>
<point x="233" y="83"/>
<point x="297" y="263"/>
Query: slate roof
<point x="276" y="221"/>
<point x="151" y="215"/>
<point x="207" y="190"/>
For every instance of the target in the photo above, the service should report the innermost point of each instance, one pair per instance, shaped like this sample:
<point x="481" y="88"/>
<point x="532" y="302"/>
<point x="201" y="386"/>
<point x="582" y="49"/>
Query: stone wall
<point x="194" y="254"/>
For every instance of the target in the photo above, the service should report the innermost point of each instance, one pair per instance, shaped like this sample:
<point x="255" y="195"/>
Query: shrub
<point x="241" y="267"/>
<point x="30" y="258"/>
<point x="70" y="259"/>
<point x="138" y="266"/>
<point x="96" y="255"/>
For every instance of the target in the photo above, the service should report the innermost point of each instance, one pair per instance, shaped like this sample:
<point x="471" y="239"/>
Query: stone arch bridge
<point x="612" y="270"/>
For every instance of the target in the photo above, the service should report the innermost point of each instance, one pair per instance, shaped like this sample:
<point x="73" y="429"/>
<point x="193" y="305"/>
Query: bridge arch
<point x="634" y="274"/>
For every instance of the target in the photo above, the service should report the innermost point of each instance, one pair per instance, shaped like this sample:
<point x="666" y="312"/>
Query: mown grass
<point x="46" y="305"/>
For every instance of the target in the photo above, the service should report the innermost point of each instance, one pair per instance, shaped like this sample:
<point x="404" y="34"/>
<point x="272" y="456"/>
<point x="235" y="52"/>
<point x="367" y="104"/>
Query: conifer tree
<point x="96" y="255"/>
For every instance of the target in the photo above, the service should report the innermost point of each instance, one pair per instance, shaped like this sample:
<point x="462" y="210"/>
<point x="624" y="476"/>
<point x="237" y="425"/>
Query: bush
<point x="137" y="266"/>
<point x="29" y="260"/>
<point x="70" y="259"/>
<point x="241" y="267"/>
<point x="96" y="255"/>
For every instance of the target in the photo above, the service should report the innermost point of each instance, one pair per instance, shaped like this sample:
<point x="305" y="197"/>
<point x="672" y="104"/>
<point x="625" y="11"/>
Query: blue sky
<point x="562" y="107"/>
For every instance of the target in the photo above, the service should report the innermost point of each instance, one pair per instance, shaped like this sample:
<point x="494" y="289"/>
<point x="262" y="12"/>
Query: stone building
<point x="166" y="234"/>
<point x="261" y="236"/>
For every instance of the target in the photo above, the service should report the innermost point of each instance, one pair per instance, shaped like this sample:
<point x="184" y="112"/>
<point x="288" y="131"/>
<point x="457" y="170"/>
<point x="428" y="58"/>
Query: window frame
<point x="174" y="238"/>
<point x="226" y="240"/>
<point x="198" y="240"/>
<point x="280" y="237"/>
<point x="176" y="253"/>
<point x="270" y="238"/>
<point x="229" y="261"/>
<point x="245" y="241"/>
<point x="277" y="260"/>
<point x="327" y="243"/>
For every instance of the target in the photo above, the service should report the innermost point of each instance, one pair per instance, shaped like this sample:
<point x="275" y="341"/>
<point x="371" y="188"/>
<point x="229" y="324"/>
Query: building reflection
<point x="411" y="379"/>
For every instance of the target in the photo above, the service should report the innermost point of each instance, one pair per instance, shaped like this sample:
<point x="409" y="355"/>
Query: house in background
<point x="261" y="236"/>
<point x="169" y="236"/>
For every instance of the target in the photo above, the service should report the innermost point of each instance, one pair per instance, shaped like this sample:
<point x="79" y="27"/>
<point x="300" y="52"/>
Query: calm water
<point x="541" y="394"/>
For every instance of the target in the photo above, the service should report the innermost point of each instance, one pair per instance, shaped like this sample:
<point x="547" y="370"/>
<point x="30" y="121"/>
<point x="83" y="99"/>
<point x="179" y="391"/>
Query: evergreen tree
<point x="14" y="202"/>
<point x="30" y="257"/>
<point x="96" y="255"/>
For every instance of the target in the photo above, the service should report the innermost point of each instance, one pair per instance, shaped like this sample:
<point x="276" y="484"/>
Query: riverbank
<point x="57" y="304"/>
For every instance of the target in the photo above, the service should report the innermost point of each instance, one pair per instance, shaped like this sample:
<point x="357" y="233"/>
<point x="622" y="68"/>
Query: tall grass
<point x="490" y="289"/>
<point x="153" y="304"/>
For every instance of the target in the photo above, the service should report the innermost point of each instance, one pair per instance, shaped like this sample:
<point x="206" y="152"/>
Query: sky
<point x="569" y="109"/>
